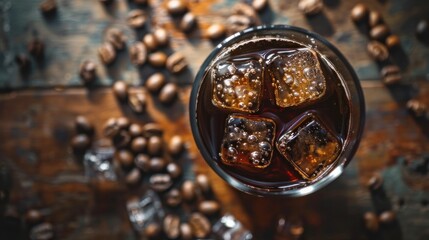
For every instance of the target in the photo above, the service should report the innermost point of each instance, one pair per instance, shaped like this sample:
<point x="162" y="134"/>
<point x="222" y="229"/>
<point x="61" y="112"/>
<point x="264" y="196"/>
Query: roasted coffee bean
<point x="116" y="37"/>
<point x="375" y="18"/>
<point x="138" y="144"/>
<point x="111" y="128"/>
<point x="310" y="7"/>
<point x="161" y="36"/>
<point x="375" y="182"/>
<point x="157" y="164"/>
<point x="121" y="139"/>
<point x="120" y="89"/>
<point x="174" y="170"/>
<point x="137" y="102"/>
<point x="135" y="130"/>
<point x="188" y="22"/>
<point x="150" y="41"/>
<point x="136" y="18"/>
<point x="359" y="12"/>
<point x="123" y="123"/>
<point x="185" y="231"/>
<point x="175" y="145"/>
<point x="142" y="161"/>
<point x="176" y="63"/>
<point x="138" y="54"/>
<point x="23" y="62"/>
<point x="237" y="23"/>
<point x="133" y="177"/>
<point x="371" y="221"/>
<point x="171" y="226"/>
<point x="160" y="182"/>
<point x="87" y="72"/>
<point x="36" y="48"/>
<point x="248" y="11"/>
<point x="176" y="7"/>
<point x="154" y="145"/>
<point x="42" y="231"/>
<point x="106" y="53"/>
<point x="208" y="207"/>
<point x="379" y="32"/>
<point x="152" y="129"/>
<point x="188" y="190"/>
<point x="173" y="198"/>
<point x="377" y="51"/>
<point x="422" y="31"/>
<point x="203" y="183"/>
<point x="157" y="59"/>
<point x="168" y="93"/>
<point x="216" y="31"/>
<point x="417" y="107"/>
<point x="155" y="82"/>
<point x="81" y="142"/>
<point x="83" y="125"/>
<point x="48" y="7"/>
<point x="393" y="41"/>
<point x="152" y="230"/>
<point x="391" y="74"/>
<point x="387" y="217"/>
<point x="124" y="157"/>
<point x="259" y="5"/>
<point x="33" y="216"/>
<point x="200" y="225"/>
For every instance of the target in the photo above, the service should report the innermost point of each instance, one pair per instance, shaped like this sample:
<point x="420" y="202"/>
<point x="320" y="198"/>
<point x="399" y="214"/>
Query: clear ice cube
<point x="296" y="77"/>
<point x="229" y="228"/>
<point x="98" y="164"/>
<point x="310" y="146"/>
<point x="237" y="84"/>
<point x="248" y="141"/>
<point x="148" y="209"/>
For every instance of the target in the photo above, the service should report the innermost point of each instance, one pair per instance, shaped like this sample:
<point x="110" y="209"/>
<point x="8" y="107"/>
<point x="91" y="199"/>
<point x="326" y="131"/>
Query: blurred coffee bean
<point x="259" y="5"/>
<point x="152" y="230"/>
<point x="87" y="72"/>
<point x="152" y="129"/>
<point x="135" y="130"/>
<point x="142" y="161"/>
<point x="157" y="59"/>
<point x="237" y="23"/>
<point x="375" y="18"/>
<point x="200" y="225"/>
<point x="371" y="221"/>
<point x="123" y="123"/>
<point x="377" y="51"/>
<point x="137" y="102"/>
<point x="106" y="53"/>
<point x="42" y="231"/>
<point x="246" y="10"/>
<point x="375" y="182"/>
<point x="173" y="198"/>
<point x="111" y="128"/>
<point x="48" y="7"/>
<point x="124" y="157"/>
<point x="36" y="48"/>
<point x="168" y="93"/>
<point x="176" y="63"/>
<point x="188" y="22"/>
<point x="150" y="41"/>
<point x="161" y="36"/>
<point x="310" y="7"/>
<point x="83" y="125"/>
<point x="208" y="207"/>
<point x="188" y="190"/>
<point x="391" y="74"/>
<point x="155" y="145"/>
<point x="359" y="12"/>
<point x="157" y="164"/>
<point x="120" y="89"/>
<point x="116" y="37"/>
<point x="174" y="170"/>
<point x="203" y="183"/>
<point x="216" y="31"/>
<point x="138" y="53"/>
<point x="418" y="108"/>
<point x="133" y="177"/>
<point x="136" y="18"/>
<point x="175" y="145"/>
<point x="185" y="231"/>
<point x="138" y="144"/>
<point x="393" y="41"/>
<point x="81" y="142"/>
<point x="387" y="217"/>
<point x="33" y="216"/>
<point x="155" y="82"/>
<point x="422" y="31"/>
<point x="379" y="32"/>
<point x="23" y="63"/>
<point x="176" y="7"/>
<point x="160" y="182"/>
<point x="171" y="225"/>
<point x="121" y="139"/>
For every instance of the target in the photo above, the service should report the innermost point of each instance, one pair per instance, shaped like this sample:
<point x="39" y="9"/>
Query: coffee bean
<point x="157" y="59"/>
<point x="36" y="48"/>
<point x="121" y="139"/>
<point x="80" y="142"/>
<point x="359" y="12"/>
<point x="152" y="230"/>
<point x="422" y="31"/>
<point x="87" y="72"/>
<point x="116" y="37"/>
<point x="42" y="231"/>
<point x="137" y="102"/>
<point x="155" y="82"/>
<point x="23" y="63"/>
<point x="173" y="198"/>
<point x="138" y="53"/>
<point x="387" y="217"/>
<point x="161" y="36"/>
<point x="176" y="63"/>
<point x="136" y="18"/>
<point x="375" y="182"/>
<point x="237" y="23"/>
<point x="135" y="130"/>
<point x="33" y="216"/>
<point x="203" y="183"/>
<point x="248" y="11"/>
<point x="379" y="32"/>
<point x="123" y="123"/>
<point x="259" y="5"/>
<point x="106" y="53"/>
<point x="124" y="157"/>
<point x="393" y="41"/>
<point x="377" y="51"/>
<point x="83" y="125"/>
<point x="168" y="93"/>
<point x="157" y="164"/>
<point x="188" y="190"/>
<point x="111" y="128"/>
<point x="200" y="225"/>
<point x="174" y="170"/>
<point x="152" y="129"/>
<point x="138" y="144"/>
<point x="185" y="231"/>
<point x="417" y="107"/>
<point x="391" y="74"/>
<point x="175" y="145"/>
<point x="188" y="22"/>
<point x="142" y="161"/>
<point x="155" y="145"/>
<point x="133" y="177"/>
<point x="120" y="89"/>
<point x="160" y="182"/>
<point x="176" y="7"/>
<point x="171" y="226"/>
<point x="310" y="7"/>
<point x="150" y="41"/>
<point x="375" y="18"/>
<point x="216" y="31"/>
<point x="371" y="221"/>
<point x="48" y="7"/>
<point x="208" y="207"/>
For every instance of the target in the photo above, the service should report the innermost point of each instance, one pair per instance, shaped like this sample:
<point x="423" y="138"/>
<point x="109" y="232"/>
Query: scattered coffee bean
<point x="83" y="125"/>
<point x="135" y="130"/>
<point x="23" y="62"/>
<point x="422" y="31"/>
<point x="106" y="53"/>
<point x="310" y="7"/>
<point x="216" y="31"/>
<point x="161" y="36"/>
<point x="150" y="41"/>
<point x="125" y="158"/>
<point x="174" y="170"/>
<point x="391" y="74"/>
<point x="121" y="139"/>
<point x="200" y="225"/>
<point x="246" y="10"/>
<point x="173" y="198"/>
<point x="136" y="18"/>
<point x="138" y="53"/>
<point x="359" y="12"/>
<point x="137" y="102"/>
<point x="237" y="23"/>
<point x="152" y="129"/>
<point x="123" y="123"/>
<point x="36" y="48"/>
<point x="42" y="231"/>
<point x="142" y="161"/>
<point x="157" y="59"/>
<point x="160" y="182"/>
<point x="133" y="177"/>
<point x="208" y="207"/>
<point x="48" y="7"/>
<point x="417" y="107"/>
<point x="152" y="230"/>
<point x="185" y="231"/>
<point x="259" y="5"/>
<point x="176" y="7"/>
<point x="155" y="82"/>
<point x="80" y="142"/>
<point x="203" y="183"/>
<point x="138" y="144"/>
<point x="393" y="41"/>
<point x="377" y="51"/>
<point x="379" y="32"/>
<point x="157" y="164"/>
<point x="375" y="182"/>
<point x="88" y="72"/>
<point x="188" y="190"/>
<point x="171" y="226"/>
<point x="371" y="221"/>
<point x="387" y="217"/>
<point x="168" y="93"/>
<point x="155" y="145"/>
<point x="375" y="18"/>
<point x="33" y="216"/>
<point x="175" y="145"/>
<point x="176" y="63"/>
<point x="116" y="37"/>
<point x="111" y="128"/>
<point x="120" y="89"/>
<point x="188" y="22"/>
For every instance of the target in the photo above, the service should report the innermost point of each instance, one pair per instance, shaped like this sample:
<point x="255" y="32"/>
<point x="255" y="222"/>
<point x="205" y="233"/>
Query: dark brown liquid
<point x="332" y="108"/>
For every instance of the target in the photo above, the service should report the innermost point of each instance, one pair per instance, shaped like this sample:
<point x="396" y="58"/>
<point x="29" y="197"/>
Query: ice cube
<point x="237" y="84"/>
<point x="148" y="209"/>
<point x="248" y="141"/>
<point x="98" y="164"/>
<point x="296" y="76"/>
<point x="310" y="146"/>
<point x="229" y="228"/>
